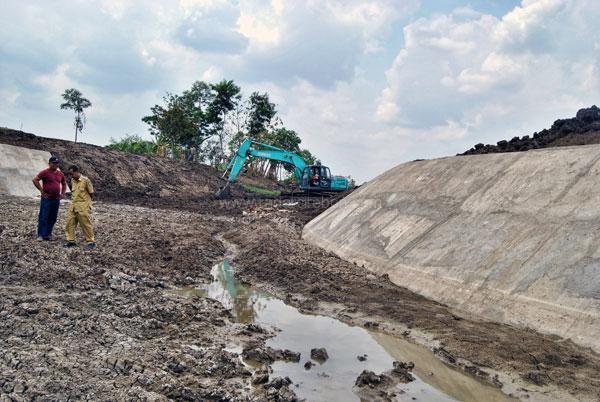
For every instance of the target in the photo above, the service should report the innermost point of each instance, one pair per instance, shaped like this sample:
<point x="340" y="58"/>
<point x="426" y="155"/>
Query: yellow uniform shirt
<point x="81" y="194"/>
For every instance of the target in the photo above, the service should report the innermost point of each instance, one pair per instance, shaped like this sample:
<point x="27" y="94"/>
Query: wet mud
<point x="106" y="325"/>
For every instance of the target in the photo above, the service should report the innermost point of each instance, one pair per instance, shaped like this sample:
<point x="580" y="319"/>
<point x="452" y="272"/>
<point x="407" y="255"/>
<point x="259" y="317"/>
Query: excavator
<point x="311" y="178"/>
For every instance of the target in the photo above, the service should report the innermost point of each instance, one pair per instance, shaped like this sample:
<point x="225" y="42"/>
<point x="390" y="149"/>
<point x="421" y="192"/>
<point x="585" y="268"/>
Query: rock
<point x="402" y="371"/>
<point x="8" y="387"/>
<point x="258" y="355"/>
<point x="588" y="115"/>
<point x="308" y="365"/>
<point x="537" y="377"/>
<point x="287" y="355"/>
<point x="19" y="388"/>
<point x="255" y="328"/>
<point x="368" y="378"/>
<point x="444" y="355"/>
<point x="260" y="377"/>
<point x="279" y="382"/>
<point x="319" y="354"/>
<point x="269" y="355"/>
<point x="177" y="367"/>
<point x="361" y="358"/>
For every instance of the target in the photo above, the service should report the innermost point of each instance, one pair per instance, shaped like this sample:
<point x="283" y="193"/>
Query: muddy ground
<point x="104" y="325"/>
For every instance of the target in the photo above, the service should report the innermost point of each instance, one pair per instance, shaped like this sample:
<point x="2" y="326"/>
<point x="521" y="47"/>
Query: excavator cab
<point x="316" y="178"/>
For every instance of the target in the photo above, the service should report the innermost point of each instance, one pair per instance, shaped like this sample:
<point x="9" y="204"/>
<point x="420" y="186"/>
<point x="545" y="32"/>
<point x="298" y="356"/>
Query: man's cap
<point x="54" y="159"/>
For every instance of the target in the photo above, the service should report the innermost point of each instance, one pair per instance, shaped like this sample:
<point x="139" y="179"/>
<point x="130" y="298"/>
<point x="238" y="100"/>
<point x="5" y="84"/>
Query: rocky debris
<point x="370" y="379"/>
<point x="268" y="355"/>
<point x="362" y="358"/>
<point x="402" y="371"/>
<point x="583" y="129"/>
<point x="383" y="387"/>
<point x="319" y="354"/>
<point x="589" y="115"/>
<point x="287" y="355"/>
<point x="537" y="377"/>
<point x="308" y="365"/>
<point x="278" y="390"/>
<point x="445" y="355"/>
<point x="260" y="377"/>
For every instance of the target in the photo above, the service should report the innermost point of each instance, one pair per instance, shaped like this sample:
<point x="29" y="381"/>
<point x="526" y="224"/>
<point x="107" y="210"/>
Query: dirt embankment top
<point x="583" y="129"/>
<point x="121" y="176"/>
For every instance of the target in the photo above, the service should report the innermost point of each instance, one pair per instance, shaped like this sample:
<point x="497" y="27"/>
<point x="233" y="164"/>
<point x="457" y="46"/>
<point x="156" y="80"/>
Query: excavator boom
<point x="250" y="148"/>
<point x="310" y="178"/>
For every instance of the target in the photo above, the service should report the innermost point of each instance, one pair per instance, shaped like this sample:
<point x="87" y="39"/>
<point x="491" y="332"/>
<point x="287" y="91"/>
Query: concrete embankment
<point x="18" y="166"/>
<point x="511" y="237"/>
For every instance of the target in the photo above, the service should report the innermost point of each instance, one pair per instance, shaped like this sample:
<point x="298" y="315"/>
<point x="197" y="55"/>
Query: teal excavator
<point x="311" y="178"/>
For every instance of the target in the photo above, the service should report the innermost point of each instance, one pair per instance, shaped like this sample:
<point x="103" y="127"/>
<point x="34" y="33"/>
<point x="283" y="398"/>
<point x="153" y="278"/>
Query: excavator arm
<point x="259" y="150"/>
<point x="321" y="181"/>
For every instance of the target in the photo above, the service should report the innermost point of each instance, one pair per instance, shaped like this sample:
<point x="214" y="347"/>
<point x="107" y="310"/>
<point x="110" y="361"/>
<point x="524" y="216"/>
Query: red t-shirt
<point x="52" y="182"/>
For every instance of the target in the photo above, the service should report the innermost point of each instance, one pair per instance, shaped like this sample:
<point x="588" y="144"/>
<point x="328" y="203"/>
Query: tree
<point x="285" y="139"/>
<point x="174" y="124"/>
<point x="308" y="157"/>
<point x="260" y="114"/>
<point x="226" y="97"/>
<point x="206" y="108"/>
<point x="74" y="100"/>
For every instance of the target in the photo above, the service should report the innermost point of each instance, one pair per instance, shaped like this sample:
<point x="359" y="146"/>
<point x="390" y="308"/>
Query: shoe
<point x="40" y="238"/>
<point x="47" y="238"/>
<point x="90" y="246"/>
<point x="69" y="244"/>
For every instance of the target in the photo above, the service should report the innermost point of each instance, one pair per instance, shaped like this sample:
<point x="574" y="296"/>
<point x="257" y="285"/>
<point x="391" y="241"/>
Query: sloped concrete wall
<point x="510" y="237"/>
<point x="18" y="166"/>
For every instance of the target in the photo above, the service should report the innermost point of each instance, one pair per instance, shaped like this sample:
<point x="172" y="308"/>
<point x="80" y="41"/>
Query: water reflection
<point x="333" y="380"/>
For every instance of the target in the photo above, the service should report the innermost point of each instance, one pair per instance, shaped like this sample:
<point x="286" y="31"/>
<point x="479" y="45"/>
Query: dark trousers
<point x="47" y="217"/>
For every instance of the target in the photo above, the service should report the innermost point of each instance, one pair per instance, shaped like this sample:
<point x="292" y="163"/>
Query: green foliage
<point x="208" y="120"/>
<point x="260" y="190"/>
<point x="260" y="114"/>
<point x="196" y="118"/>
<point x="225" y="98"/>
<point x="75" y="101"/>
<point x="174" y="124"/>
<point x="308" y="157"/>
<point x="134" y="144"/>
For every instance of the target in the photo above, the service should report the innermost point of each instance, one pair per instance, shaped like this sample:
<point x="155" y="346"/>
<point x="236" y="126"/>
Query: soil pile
<point x="122" y="176"/>
<point x="583" y="129"/>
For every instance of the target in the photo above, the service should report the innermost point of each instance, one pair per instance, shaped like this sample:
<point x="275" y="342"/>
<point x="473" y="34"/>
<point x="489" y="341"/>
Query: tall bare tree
<point x="75" y="101"/>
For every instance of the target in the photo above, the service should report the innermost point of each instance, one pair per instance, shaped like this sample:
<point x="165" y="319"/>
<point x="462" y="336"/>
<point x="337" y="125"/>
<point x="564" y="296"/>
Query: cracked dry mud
<point x="102" y="325"/>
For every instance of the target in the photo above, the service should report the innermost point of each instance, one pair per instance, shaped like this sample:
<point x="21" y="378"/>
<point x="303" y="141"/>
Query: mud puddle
<point x="333" y="379"/>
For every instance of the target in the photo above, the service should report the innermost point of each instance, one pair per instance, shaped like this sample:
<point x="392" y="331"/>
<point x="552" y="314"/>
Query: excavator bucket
<point x="224" y="192"/>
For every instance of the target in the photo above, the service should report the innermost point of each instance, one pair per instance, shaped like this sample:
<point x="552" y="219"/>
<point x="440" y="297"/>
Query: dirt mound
<point x="583" y="129"/>
<point x="122" y="176"/>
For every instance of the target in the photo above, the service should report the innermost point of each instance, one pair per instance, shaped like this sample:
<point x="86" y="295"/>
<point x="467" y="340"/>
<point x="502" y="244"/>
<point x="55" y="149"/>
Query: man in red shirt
<point x="53" y="189"/>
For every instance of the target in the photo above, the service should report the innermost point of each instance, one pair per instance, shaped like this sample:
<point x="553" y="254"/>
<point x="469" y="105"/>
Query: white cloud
<point x="476" y="75"/>
<point x="364" y="92"/>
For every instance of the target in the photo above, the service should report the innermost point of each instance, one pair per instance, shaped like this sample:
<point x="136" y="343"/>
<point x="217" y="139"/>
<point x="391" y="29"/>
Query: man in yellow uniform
<point x="81" y="207"/>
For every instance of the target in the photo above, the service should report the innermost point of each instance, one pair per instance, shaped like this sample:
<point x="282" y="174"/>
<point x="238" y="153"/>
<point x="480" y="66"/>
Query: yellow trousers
<point x="82" y="218"/>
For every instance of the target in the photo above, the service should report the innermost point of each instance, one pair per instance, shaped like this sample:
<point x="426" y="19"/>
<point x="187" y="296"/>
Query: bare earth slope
<point x="121" y="176"/>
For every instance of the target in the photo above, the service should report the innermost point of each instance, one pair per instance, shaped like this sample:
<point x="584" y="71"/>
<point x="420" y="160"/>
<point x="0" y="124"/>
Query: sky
<point x="366" y="84"/>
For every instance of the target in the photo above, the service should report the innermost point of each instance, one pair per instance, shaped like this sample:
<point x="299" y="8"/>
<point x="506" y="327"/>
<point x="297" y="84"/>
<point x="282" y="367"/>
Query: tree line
<point x="206" y="123"/>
